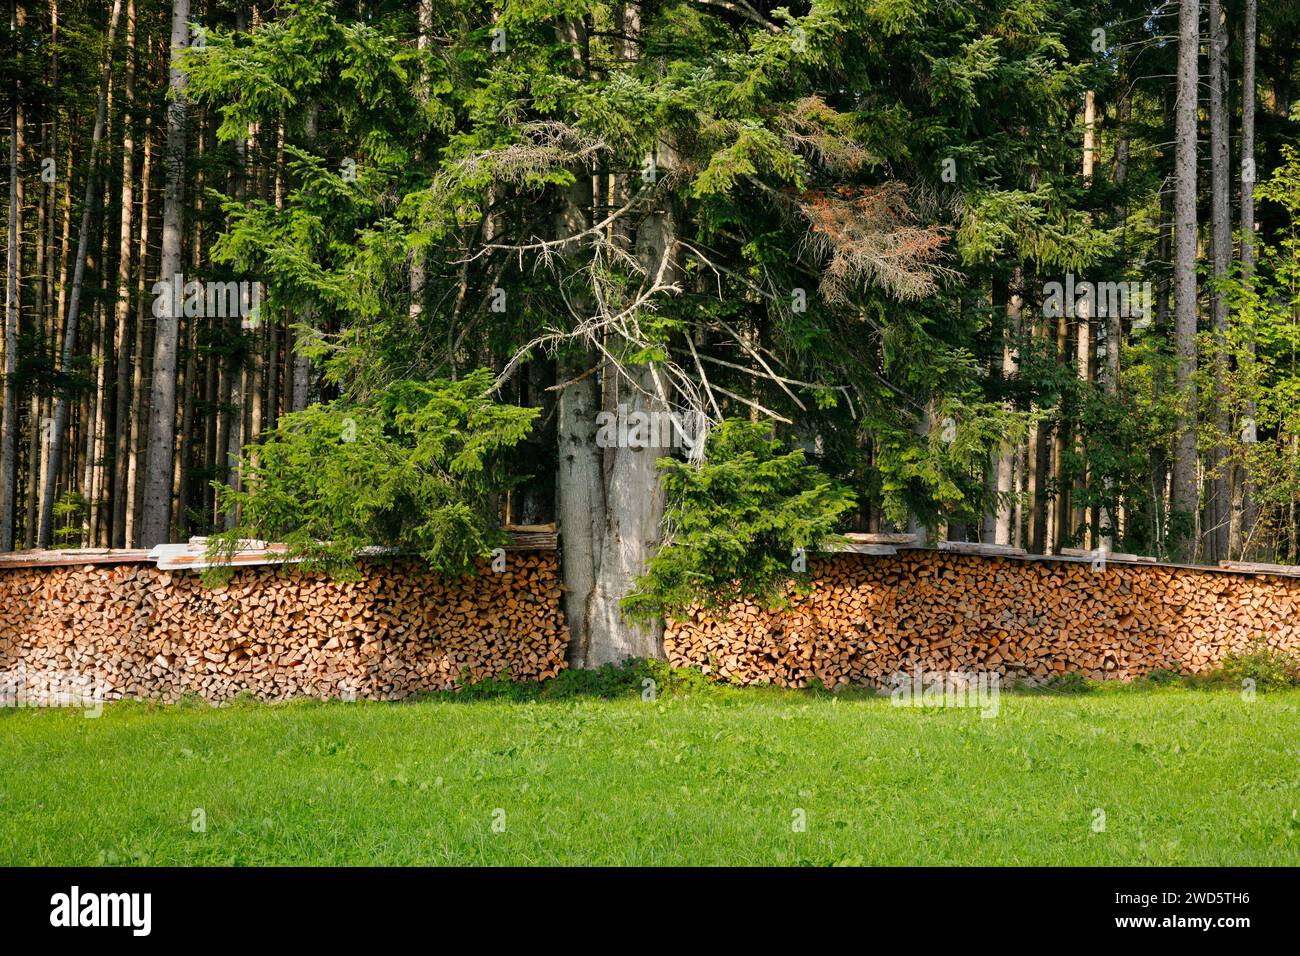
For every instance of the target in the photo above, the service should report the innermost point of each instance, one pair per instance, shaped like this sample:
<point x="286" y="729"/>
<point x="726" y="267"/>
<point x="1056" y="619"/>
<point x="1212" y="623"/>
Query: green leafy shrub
<point x="734" y="522"/>
<point x="1267" y="666"/>
<point x="413" y="467"/>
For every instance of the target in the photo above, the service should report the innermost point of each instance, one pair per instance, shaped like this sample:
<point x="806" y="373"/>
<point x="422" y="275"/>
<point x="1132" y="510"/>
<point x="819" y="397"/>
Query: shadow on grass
<point x="1259" y="668"/>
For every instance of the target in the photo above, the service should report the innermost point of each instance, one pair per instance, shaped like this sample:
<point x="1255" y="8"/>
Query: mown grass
<point x="703" y="776"/>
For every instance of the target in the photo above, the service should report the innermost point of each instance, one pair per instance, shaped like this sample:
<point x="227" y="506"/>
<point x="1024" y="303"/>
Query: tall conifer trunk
<point x="13" y="265"/>
<point x="59" y="427"/>
<point x="123" y="340"/>
<point x="609" y="502"/>
<point x="156" y="526"/>
<point x="1183" y="488"/>
<point x="1216" y="540"/>
<point x="1244" y="514"/>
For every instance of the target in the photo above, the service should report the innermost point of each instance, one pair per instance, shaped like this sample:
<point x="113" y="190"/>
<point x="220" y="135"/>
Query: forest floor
<point x="1134" y="774"/>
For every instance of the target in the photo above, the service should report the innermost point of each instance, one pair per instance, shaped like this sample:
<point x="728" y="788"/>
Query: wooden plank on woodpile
<point x="531" y="540"/>
<point x="853" y="547"/>
<point x="884" y="537"/>
<point x="1120" y="556"/>
<point x="979" y="548"/>
<point x="61" y="557"/>
<point x="192" y="555"/>
<point x="1251" y="567"/>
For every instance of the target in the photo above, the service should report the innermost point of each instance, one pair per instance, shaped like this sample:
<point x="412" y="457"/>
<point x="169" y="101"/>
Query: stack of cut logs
<point x="398" y="629"/>
<point x="869" y="618"/>
<point x="141" y="632"/>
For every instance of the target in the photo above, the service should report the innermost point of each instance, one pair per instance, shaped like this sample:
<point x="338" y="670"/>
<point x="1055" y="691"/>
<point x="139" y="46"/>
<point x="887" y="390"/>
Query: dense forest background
<point x="1024" y="272"/>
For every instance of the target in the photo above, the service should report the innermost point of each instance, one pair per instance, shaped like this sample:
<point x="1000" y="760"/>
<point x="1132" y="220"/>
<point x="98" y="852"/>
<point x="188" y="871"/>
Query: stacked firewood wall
<point x="396" y="630"/>
<point x="869" y="618"/>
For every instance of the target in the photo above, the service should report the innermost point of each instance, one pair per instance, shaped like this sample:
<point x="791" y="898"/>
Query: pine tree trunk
<point x="236" y="378"/>
<point x="98" y="427"/>
<point x="13" y="257"/>
<point x="191" y="335"/>
<point x="1246" y="512"/>
<point x="156" y="526"/>
<point x="237" y="373"/>
<point x="1160" y="459"/>
<point x="1060" y="507"/>
<point x="1109" y="522"/>
<point x="96" y="444"/>
<point x="99" y="423"/>
<point x="301" y="363"/>
<point x="1216" y="541"/>
<point x="1183" y="490"/>
<point x="38" y="450"/>
<point x="416" y="279"/>
<point x="123" y="332"/>
<point x="42" y="322"/>
<point x="59" y="427"/>
<point x="1085" y="341"/>
<point x="1007" y="451"/>
<point x="184" y="446"/>
<point x="143" y="349"/>
<point x="273" y="323"/>
<point x="1035" y="488"/>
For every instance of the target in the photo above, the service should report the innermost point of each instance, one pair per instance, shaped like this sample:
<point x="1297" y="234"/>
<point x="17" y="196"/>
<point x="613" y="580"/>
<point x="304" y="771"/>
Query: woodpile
<point x="868" y="618"/>
<point x="398" y="629"/>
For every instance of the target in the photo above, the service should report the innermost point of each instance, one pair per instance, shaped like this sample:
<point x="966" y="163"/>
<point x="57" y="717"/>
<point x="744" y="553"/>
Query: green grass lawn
<point x="1184" y="776"/>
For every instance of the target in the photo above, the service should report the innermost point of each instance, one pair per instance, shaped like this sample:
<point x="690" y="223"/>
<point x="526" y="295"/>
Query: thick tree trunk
<point x="579" y="493"/>
<point x="59" y="426"/>
<point x="579" y="481"/>
<point x="634" y="497"/>
<point x="610" y="501"/>
<point x="156" y="526"/>
<point x="633" y="514"/>
<point x="1183" y="491"/>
